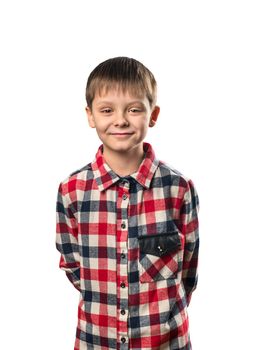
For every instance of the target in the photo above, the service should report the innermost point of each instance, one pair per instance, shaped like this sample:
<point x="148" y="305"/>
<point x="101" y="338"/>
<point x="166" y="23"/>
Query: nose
<point x="120" y="119"/>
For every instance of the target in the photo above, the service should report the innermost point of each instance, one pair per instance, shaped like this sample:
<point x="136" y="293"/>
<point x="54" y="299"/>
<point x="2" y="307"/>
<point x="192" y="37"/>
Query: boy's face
<point x="121" y="120"/>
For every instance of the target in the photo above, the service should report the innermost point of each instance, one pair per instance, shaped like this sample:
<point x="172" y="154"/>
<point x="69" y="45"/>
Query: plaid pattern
<point x="130" y="246"/>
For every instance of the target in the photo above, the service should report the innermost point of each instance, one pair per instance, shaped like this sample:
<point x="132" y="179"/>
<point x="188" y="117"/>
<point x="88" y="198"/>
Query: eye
<point x="135" y="110"/>
<point x="106" y="110"/>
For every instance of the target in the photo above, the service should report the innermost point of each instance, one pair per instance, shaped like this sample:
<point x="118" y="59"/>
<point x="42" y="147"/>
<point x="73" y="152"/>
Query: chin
<point x="118" y="146"/>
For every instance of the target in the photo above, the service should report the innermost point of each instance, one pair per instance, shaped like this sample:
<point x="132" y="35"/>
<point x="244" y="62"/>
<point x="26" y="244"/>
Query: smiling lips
<point x="122" y="133"/>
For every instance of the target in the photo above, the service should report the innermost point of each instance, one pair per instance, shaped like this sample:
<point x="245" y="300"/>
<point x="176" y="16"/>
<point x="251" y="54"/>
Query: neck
<point x="124" y="163"/>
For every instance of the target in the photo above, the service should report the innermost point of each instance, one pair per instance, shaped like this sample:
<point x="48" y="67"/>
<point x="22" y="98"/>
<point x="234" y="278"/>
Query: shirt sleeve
<point x="66" y="239"/>
<point x="190" y="229"/>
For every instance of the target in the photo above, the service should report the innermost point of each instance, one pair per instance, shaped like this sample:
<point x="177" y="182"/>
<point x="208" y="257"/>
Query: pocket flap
<point x="159" y="244"/>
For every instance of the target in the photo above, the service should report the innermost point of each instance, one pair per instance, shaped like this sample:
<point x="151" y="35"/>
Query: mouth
<point x="121" y="134"/>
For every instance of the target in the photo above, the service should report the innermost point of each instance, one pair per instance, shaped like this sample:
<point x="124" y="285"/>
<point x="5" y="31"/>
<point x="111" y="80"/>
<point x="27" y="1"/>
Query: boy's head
<point x="125" y="74"/>
<point x="121" y="104"/>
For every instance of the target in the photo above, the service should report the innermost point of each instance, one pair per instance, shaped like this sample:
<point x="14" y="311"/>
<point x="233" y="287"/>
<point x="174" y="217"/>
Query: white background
<point x="202" y="55"/>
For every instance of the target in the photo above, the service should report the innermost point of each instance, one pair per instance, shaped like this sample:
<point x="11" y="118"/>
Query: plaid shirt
<point x="130" y="246"/>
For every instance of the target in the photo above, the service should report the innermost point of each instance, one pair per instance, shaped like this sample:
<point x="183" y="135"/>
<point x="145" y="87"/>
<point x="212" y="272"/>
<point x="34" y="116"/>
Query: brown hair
<point x="121" y="73"/>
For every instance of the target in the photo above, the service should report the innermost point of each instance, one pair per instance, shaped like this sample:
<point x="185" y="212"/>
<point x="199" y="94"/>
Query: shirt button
<point x="124" y="196"/>
<point x="123" y="285"/>
<point x="123" y="340"/>
<point x="123" y="255"/>
<point x="123" y="312"/>
<point x="123" y="225"/>
<point x="160" y="248"/>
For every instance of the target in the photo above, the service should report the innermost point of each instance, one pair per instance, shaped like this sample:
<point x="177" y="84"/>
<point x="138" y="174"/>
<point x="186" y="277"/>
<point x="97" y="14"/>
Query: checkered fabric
<point x="130" y="246"/>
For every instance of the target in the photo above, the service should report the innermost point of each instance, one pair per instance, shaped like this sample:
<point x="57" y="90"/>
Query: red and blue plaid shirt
<point x="130" y="246"/>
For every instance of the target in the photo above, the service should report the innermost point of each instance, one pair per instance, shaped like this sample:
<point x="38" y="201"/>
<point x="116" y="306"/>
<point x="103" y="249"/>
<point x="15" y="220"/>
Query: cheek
<point x="102" y="125"/>
<point x="143" y="125"/>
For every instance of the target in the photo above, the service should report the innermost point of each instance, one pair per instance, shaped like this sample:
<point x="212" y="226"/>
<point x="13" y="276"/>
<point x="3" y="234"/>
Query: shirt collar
<point x="105" y="176"/>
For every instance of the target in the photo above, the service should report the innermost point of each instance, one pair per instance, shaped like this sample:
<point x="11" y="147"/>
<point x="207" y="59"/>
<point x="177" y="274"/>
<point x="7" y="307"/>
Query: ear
<point x="154" y="116"/>
<point x="90" y="117"/>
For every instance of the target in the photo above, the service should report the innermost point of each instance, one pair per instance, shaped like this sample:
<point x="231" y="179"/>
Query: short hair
<point x="122" y="73"/>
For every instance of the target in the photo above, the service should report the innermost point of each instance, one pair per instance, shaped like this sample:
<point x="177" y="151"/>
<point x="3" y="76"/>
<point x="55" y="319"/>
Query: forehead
<point x="119" y="97"/>
<point x="119" y="90"/>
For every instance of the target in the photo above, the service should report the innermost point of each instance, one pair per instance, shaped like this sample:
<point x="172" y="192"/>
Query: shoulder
<point x="175" y="176"/>
<point x="181" y="185"/>
<point x="76" y="179"/>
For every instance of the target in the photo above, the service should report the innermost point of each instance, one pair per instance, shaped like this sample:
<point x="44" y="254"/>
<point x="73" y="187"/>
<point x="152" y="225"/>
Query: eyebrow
<point x="109" y="102"/>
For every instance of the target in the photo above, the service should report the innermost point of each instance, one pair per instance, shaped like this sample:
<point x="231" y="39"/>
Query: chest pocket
<point x="158" y="256"/>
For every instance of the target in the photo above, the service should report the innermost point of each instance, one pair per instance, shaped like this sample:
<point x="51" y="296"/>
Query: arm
<point x="66" y="239"/>
<point x="190" y="227"/>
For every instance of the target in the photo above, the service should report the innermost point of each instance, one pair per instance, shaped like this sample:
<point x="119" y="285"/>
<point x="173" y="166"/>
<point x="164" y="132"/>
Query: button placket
<point x="123" y="203"/>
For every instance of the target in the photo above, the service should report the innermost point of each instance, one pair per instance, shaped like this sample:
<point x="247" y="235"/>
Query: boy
<point x="127" y="226"/>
